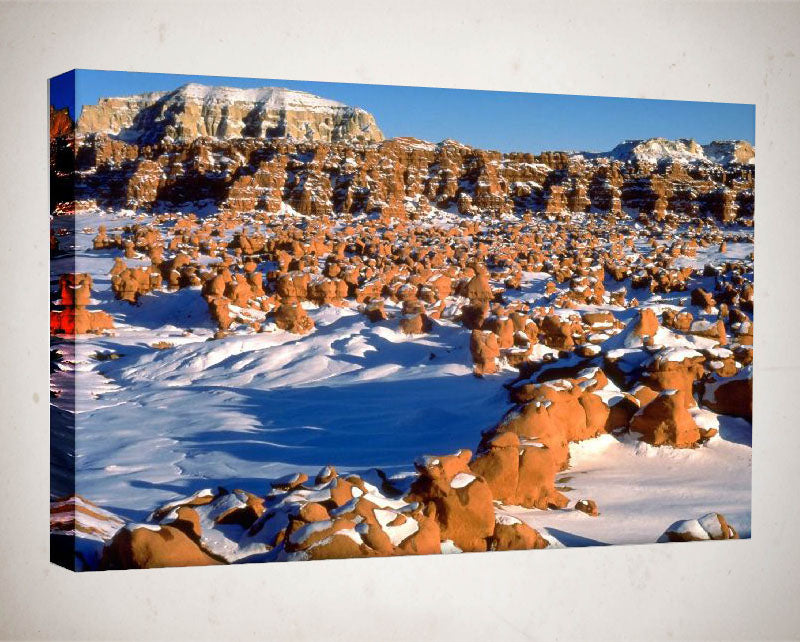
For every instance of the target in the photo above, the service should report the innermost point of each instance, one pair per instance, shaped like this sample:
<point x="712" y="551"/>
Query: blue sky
<point x="505" y="121"/>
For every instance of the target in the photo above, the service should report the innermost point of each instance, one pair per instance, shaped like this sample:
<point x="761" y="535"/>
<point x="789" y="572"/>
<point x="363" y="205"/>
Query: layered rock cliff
<point x="396" y="178"/>
<point x="256" y="149"/>
<point x="60" y="123"/>
<point x="194" y="111"/>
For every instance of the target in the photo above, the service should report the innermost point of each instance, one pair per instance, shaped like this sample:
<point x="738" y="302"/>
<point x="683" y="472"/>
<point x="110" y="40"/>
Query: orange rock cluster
<point x="330" y="517"/>
<point x="71" y="316"/>
<point x="452" y="500"/>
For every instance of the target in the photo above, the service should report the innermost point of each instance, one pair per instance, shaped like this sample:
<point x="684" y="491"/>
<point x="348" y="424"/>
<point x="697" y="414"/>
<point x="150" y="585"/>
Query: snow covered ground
<point x="152" y="425"/>
<point x="640" y="489"/>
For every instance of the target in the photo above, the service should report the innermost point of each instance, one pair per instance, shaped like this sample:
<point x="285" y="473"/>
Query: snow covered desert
<point x="278" y="335"/>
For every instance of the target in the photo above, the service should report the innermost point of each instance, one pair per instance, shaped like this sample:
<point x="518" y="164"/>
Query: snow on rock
<point x="78" y="532"/>
<point x="708" y="527"/>
<point x="731" y="395"/>
<point x="654" y="150"/>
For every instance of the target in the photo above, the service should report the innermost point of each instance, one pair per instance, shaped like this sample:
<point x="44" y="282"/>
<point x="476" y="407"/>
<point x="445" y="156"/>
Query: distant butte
<point x="197" y="111"/>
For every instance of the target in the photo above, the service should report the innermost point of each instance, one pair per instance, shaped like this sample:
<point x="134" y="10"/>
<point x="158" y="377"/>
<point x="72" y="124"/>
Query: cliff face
<point x="60" y="123"/>
<point x="730" y="151"/>
<point x="116" y="116"/>
<point x="62" y="160"/>
<point x="402" y="177"/>
<point x="256" y="149"/>
<point x="656" y="149"/>
<point x="198" y="111"/>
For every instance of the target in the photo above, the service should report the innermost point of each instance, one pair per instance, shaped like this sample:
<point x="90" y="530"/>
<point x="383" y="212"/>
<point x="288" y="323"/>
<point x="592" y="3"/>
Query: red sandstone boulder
<point x="666" y="421"/>
<point x="710" y="329"/>
<point x="478" y="289"/>
<point x="146" y="546"/>
<point x="675" y="369"/>
<point x="219" y="309"/>
<point x="427" y="539"/>
<point x="588" y="506"/>
<point x="375" y="311"/>
<point x="79" y="321"/>
<point x="289" y="482"/>
<point x="703" y="299"/>
<point x="324" y="291"/>
<point x="75" y="318"/>
<point x="325" y="475"/>
<point x="511" y="534"/>
<point x="293" y="287"/>
<point x="293" y="318"/>
<point x="485" y="350"/>
<point x="568" y="411"/>
<point x="474" y="314"/>
<point x="537" y="471"/>
<point x="645" y="326"/>
<point x="503" y="327"/>
<point x="533" y="420"/>
<point x="76" y="289"/>
<point x="681" y="321"/>
<point x="497" y="461"/>
<point x="339" y="546"/>
<point x="731" y="395"/>
<point x="463" y="500"/>
<point x="414" y="319"/>
<point x="556" y="333"/>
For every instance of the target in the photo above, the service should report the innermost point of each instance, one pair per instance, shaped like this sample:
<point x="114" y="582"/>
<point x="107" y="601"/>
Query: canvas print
<point x="305" y="320"/>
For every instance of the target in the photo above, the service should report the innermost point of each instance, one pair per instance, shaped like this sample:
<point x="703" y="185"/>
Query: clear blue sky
<point x="505" y="121"/>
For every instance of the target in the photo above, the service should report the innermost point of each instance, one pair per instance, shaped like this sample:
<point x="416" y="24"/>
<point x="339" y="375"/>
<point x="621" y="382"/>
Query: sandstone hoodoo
<point x="323" y="344"/>
<point x="665" y="420"/>
<point x="463" y="501"/>
<point x="70" y="315"/>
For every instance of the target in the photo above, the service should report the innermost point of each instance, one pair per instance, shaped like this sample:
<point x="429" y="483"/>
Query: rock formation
<point x="708" y="527"/>
<point x="199" y="111"/>
<point x="70" y="315"/>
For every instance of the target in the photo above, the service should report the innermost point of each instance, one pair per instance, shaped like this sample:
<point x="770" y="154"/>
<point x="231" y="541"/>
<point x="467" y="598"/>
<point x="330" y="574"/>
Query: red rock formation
<point x="463" y="500"/>
<point x="675" y="369"/>
<point x="362" y="236"/>
<point x="74" y="318"/>
<point x="485" y="349"/>
<point x="293" y="318"/>
<point x="510" y="534"/>
<point x="666" y="422"/>
<point x="588" y="506"/>
<point x="60" y="123"/>
<point x="146" y="546"/>
<point x="731" y="395"/>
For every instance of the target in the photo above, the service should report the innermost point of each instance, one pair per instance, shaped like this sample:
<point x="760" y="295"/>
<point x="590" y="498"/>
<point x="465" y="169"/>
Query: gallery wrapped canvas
<point x="304" y="321"/>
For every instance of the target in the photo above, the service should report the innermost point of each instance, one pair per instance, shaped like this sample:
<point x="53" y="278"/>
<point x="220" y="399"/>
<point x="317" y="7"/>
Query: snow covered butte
<point x="193" y="111"/>
<point x="683" y="150"/>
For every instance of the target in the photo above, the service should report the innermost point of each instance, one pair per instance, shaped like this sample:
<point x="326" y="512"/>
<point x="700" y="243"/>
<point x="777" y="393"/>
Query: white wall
<point x="745" y="52"/>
